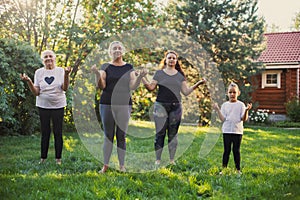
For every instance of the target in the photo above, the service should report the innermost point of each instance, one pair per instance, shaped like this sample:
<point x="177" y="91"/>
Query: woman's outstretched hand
<point x="203" y="81"/>
<point x="24" y="77"/>
<point x="68" y="70"/>
<point x="141" y="72"/>
<point x="94" y="68"/>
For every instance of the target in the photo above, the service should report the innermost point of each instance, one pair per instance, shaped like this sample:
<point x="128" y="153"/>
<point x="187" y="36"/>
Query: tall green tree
<point x="72" y="28"/>
<point x="230" y="31"/>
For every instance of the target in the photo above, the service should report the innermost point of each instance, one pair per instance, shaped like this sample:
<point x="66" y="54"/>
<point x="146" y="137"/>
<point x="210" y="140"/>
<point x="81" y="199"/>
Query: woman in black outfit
<point x="171" y="81"/>
<point x="116" y="79"/>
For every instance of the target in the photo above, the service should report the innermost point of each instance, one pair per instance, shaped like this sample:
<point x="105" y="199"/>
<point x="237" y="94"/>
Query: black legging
<point x="167" y="118"/>
<point x="56" y="116"/>
<point x="228" y="140"/>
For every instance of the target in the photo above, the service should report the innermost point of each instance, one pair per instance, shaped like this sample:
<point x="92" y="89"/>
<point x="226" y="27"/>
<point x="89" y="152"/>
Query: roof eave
<point x="288" y="65"/>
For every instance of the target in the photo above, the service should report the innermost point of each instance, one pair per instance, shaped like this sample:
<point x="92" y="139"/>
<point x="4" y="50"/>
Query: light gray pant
<point x="115" y="119"/>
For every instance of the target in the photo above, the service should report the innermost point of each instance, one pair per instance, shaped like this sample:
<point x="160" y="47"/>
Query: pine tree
<point x="230" y="31"/>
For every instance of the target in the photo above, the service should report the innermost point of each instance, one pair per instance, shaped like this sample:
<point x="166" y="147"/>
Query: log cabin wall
<point x="270" y="98"/>
<point x="273" y="98"/>
<point x="291" y="82"/>
<point x="282" y="59"/>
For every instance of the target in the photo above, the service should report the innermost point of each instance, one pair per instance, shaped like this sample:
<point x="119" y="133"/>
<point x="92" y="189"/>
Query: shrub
<point x="18" y="113"/>
<point x="287" y="124"/>
<point x="259" y="116"/>
<point x="293" y="109"/>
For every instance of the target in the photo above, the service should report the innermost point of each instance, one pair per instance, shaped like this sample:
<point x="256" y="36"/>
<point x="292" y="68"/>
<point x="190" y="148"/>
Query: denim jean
<point x="167" y="118"/>
<point x="115" y="119"/>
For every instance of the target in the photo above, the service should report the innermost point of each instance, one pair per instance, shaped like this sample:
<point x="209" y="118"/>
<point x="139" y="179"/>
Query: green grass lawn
<point x="270" y="165"/>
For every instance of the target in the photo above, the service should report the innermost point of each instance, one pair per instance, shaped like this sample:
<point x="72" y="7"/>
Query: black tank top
<point x="117" y="90"/>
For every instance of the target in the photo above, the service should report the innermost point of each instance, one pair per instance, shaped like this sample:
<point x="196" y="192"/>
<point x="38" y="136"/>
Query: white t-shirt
<point x="233" y="113"/>
<point x="50" y="82"/>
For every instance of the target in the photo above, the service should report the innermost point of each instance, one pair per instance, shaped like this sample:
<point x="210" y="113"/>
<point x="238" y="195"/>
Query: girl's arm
<point x="188" y="90"/>
<point x="149" y="85"/>
<point x="246" y="114"/>
<point x="100" y="77"/>
<point x="217" y="109"/>
<point x="34" y="89"/>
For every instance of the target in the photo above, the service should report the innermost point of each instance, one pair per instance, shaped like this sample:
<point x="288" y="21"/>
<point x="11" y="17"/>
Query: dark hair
<point x="177" y="65"/>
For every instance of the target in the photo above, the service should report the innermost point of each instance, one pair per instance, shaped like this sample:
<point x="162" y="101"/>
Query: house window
<point x="271" y="78"/>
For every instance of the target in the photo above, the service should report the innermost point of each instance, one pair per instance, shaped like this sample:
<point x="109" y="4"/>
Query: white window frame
<point x="264" y="83"/>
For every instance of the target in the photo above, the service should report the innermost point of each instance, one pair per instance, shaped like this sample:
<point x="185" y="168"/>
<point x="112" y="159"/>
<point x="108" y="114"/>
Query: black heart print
<point x="49" y="80"/>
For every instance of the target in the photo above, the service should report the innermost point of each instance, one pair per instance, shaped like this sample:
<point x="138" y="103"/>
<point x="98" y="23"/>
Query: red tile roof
<point x="281" y="48"/>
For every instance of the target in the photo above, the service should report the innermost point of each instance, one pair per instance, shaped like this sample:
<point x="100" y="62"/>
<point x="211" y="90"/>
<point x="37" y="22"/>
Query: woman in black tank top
<point x="116" y="79"/>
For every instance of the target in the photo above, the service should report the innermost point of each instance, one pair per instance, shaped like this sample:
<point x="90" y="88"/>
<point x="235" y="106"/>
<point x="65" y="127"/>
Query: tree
<point x="273" y="28"/>
<point x="73" y="28"/>
<point x="230" y="31"/>
<point x="296" y="21"/>
<point x="77" y="28"/>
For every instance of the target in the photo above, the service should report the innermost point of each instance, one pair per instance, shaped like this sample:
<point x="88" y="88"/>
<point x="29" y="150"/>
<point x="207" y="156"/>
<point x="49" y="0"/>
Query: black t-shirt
<point x="117" y="90"/>
<point x="169" y="87"/>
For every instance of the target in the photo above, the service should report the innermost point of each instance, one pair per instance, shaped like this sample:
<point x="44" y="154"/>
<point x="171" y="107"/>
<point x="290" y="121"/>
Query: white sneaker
<point x="172" y="162"/>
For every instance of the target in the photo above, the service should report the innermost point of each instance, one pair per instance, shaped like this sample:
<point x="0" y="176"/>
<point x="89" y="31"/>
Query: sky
<point x="279" y="12"/>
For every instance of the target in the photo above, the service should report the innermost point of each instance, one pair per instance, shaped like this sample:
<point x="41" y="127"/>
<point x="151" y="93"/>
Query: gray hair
<point x="111" y="46"/>
<point x="47" y="52"/>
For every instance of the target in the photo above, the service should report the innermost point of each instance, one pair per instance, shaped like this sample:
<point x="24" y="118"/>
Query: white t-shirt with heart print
<point x="50" y="82"/>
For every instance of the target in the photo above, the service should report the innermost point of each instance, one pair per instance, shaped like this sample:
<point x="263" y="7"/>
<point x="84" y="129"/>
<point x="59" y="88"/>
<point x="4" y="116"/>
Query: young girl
<point x="232" y="113"/>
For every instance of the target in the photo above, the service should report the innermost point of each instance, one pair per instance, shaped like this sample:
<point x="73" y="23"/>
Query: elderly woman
<point x="49" y="86"/>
